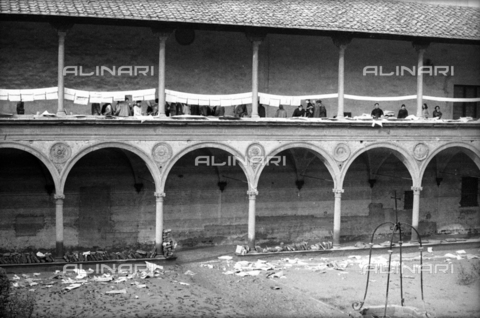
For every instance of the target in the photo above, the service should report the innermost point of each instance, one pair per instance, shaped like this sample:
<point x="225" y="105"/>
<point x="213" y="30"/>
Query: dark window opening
<point x="408" y="201"/>
<point x="464" y="109"/>
<point x="469" y="192"/>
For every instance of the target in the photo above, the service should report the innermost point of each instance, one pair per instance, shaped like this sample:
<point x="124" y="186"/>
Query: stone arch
<point x="466" y="148"/>
<point x="40" y="156"/>
<point x="240" y="159"/>
<point x="320" y="153"/>
<point x="398" y="151"/>
<point x="122" y="145"/>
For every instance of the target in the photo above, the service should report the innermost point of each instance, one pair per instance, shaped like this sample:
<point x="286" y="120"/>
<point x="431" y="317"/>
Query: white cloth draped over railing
<point x="380" y="99"/>
<point x="207" y="100"/>
<point x="82" y="97"/>
<point x="29" y="95"/>
<point x="277" y="100"/>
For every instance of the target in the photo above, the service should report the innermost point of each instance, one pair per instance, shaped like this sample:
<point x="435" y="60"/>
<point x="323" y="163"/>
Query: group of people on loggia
<point x="403" y="112"/>
<point x="125" y="109"/>
<point x="316" y="110"/>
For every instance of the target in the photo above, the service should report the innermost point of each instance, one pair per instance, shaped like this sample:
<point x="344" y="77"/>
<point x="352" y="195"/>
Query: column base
<point x="59" y="259"/>
<point x="61" y="114"/>
<point x="59" y="251"/>
<point x="255" y="116"/>
<point x="162" y="116"/>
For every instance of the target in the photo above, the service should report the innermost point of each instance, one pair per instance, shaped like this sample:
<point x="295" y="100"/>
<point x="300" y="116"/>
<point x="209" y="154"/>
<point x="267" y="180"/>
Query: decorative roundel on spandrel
<point x="341" y="152"/>
<point x="60" y="152"/>
<point x="255" y="150"/>
<point x="161" y="152"/>
<point x="420" y="151"/>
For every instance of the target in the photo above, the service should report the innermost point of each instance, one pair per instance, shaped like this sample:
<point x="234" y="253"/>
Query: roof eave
<point x="173" y="24"/>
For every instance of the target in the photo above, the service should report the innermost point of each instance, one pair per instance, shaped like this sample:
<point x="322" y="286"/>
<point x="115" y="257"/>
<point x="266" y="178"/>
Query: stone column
<point x="159" y="222"/>
<point x="420" y="47"/>
<point x="256" y="40"/>
<point x="61" y="64"/>
<point x="337" y="216"/>
<point x="341" y="43"/>
<point x="252" y="196"/>
<point x="61" y="27"/>
<point x="162" y="36"/>
<point x="59" y="224"/>
<point x="415" y="211"/>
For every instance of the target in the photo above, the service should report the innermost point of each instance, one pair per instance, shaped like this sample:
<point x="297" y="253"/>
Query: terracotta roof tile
<point x="370" y="16"/>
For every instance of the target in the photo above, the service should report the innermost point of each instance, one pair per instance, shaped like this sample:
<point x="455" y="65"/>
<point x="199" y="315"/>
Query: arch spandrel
<point x="471" y="151"/>
<point x="400" y="152"/>
<point x="83" y="151"/>
<point x="40" y="155"/>
<point x="322" y="154"/>
<point x="178" y="153"/>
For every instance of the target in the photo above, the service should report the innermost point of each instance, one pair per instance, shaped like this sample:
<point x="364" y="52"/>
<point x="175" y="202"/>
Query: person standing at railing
<point x="219" y="111"/>
<point x="95" y="109"/>
<point x="241" y="111"/>
<point x="425" y="113"/>
<point x="204" y="110"/>
<point x="20" y="108"/>
<point x="281" y="113"/>
<point x="123" y="109"/>
<point x="322" y="109"/>
<point x="261" y="110"/>
<point x="299" y="111"/>
<point x="377" y="112"/>
<point x="152" y="108"/>
<point x="309" y="111"/>
<point x="107" y="110"/>
<point x="437" y="113"/>
<point x="179" y="107"/>
<point x="137" y="108"/>
<point x="403" y="112"/>
<point x="186" y="109"/>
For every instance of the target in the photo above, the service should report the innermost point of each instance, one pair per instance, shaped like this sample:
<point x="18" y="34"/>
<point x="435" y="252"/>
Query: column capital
<point x="252" y="193"/>
<point x="61" y="27"/>
<point x="162" y="33"/>
<point x="338" y="192"/>
<point x="341" y="41"/>
<point x="62" y="35"/>
<point x="420" y="45"/>
<point x="59" y="196"/>
<point x="257" y="36"/>
<point x="159" y="195"/>
<point x="416" y="190"/>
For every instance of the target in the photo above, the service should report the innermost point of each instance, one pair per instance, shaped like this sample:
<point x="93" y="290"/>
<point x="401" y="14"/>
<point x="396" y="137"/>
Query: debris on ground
<point x="120" y="291"/>
<point x="304" y="246"/>
<point x="169" y="246"/>
<point x="78" y="277"/>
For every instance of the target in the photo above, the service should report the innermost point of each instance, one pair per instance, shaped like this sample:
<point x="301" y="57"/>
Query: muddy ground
<point x="198" y="284"/>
